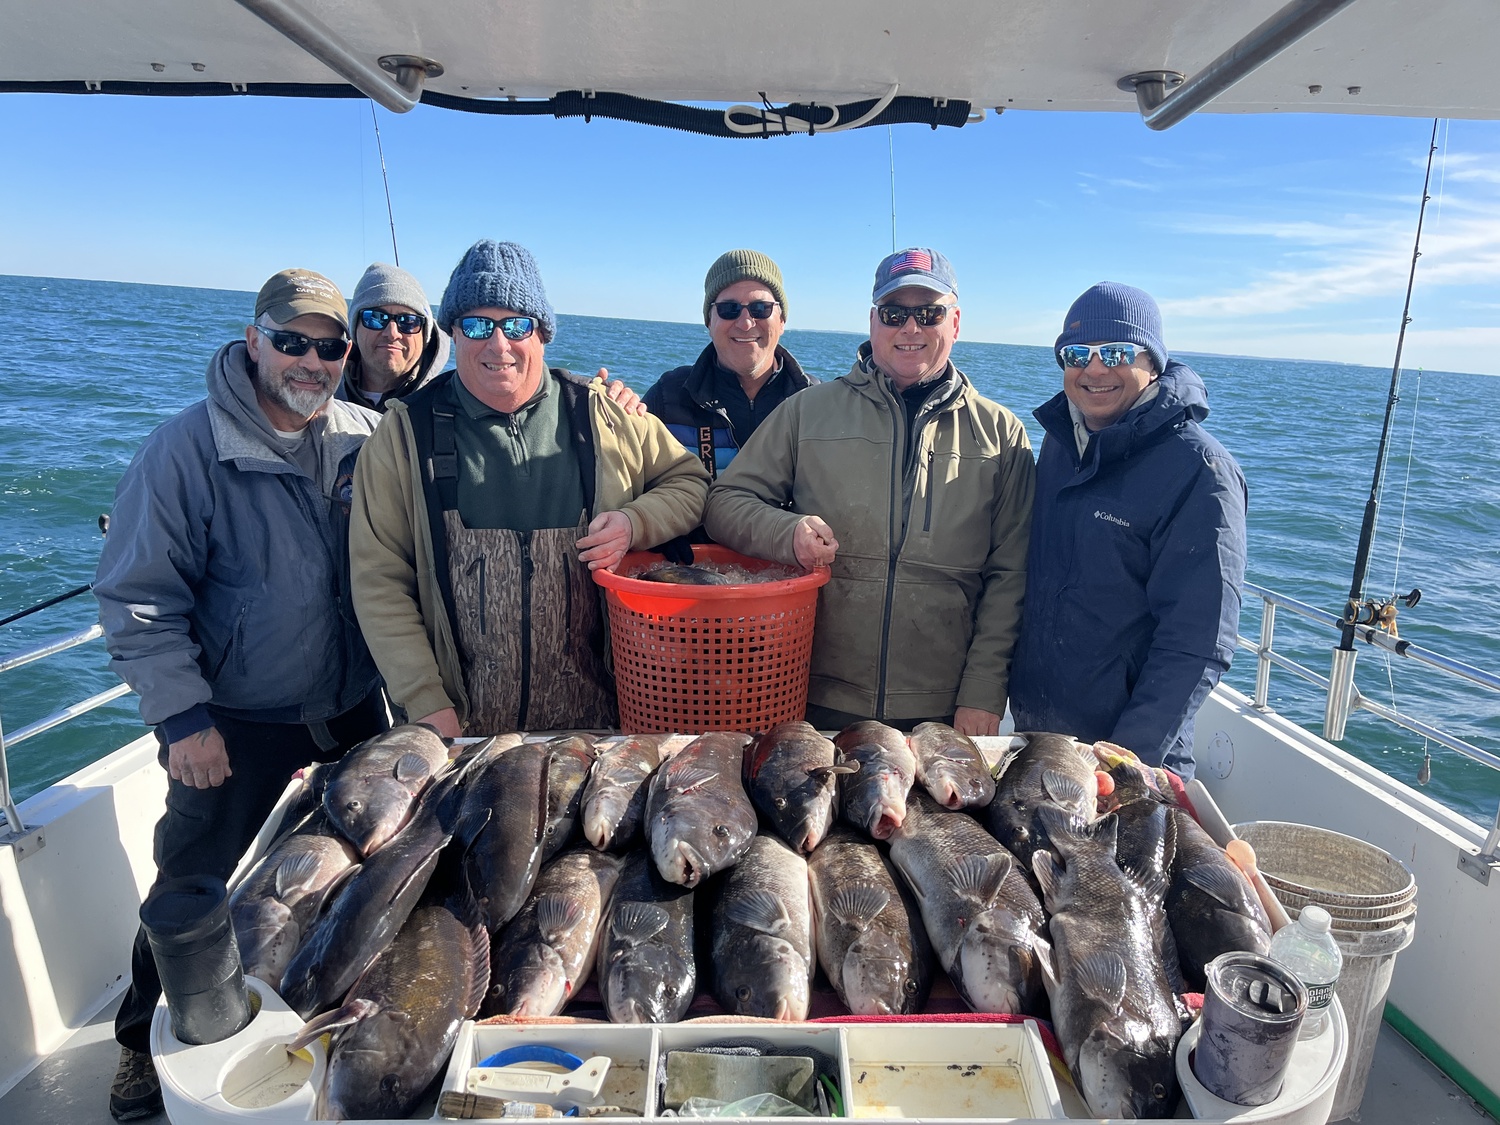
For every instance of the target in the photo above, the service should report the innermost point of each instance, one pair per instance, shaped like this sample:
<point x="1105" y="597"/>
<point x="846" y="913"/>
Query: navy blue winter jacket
<point x="1133" y="577"/>
<point x="686" y="399"/>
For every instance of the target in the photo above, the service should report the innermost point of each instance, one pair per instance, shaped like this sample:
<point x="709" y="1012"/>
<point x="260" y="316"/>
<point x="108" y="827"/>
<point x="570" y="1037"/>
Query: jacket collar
<point x="700" y="381"/>
<point x="243" y="435"/>
<point x="867" y="378"/>
<point x="1182" y="398"/>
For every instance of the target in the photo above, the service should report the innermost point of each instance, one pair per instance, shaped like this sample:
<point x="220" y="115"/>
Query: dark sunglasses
<point x="483" y="327"/>
<point x="1111" y="355"/>
<point x="894" y="316"/>
<point x="730" y="310"/>
<point x="296" y="344"/>
<point x="408" y="324"/>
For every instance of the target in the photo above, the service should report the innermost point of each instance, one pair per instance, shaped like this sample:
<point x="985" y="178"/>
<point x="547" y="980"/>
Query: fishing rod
<point x="84" y="589"/>
<point x="1356" y="610"/>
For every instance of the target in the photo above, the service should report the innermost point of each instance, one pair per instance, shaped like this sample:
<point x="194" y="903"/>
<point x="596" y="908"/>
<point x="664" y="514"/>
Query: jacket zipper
<point x="526" y="571"/>
<point x="897" y="498"/>
<point x="927" y="520"/>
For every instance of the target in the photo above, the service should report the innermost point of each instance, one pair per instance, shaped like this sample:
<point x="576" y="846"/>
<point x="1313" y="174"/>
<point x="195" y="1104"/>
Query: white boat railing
<point x="15" y="828"/>
<point x="1267" y="657"/>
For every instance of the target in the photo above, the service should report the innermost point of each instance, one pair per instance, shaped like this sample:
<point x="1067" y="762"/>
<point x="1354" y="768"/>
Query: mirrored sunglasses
<point x="483" y="327"/>
<point x="408" y="324"/>
<point x="894" y="316"/>
<point x="296" y="344"/>
<point x="1111" y="355"/>
<point x="730" y="310"/>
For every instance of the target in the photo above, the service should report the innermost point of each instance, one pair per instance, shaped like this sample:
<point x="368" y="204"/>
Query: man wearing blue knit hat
<point x="1137" y="541"/>
<point x="483" y="500"/>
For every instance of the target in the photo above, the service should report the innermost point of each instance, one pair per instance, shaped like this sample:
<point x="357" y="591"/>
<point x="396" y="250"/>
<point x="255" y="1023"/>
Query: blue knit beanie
<point x="1111" y="313"/>
<point x="498" y="275"/>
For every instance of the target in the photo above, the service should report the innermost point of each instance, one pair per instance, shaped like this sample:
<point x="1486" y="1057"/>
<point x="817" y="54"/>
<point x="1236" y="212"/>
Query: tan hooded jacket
<point x="922" y="611"/>
<point x="640" y="469"/>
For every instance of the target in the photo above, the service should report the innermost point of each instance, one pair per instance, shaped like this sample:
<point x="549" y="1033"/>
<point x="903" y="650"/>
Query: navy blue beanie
<point x="501" y="275"/>
<point x="1111" y="313"/>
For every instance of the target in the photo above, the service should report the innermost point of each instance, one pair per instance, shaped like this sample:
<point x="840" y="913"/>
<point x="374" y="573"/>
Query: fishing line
<point x="890" y="136"/>
<point x="384" y="179"/>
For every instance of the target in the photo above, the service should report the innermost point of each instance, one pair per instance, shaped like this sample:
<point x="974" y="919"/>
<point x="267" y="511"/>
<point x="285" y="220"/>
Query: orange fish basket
<point x="700" y="658"/>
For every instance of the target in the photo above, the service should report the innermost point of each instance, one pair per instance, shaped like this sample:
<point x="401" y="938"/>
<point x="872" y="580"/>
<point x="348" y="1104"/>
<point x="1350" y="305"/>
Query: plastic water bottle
<point x="1309" y="950"/>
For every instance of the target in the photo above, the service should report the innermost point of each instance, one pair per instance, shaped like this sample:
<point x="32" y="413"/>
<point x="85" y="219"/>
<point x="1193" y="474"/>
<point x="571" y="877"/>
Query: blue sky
<point x="1277" y="235"/>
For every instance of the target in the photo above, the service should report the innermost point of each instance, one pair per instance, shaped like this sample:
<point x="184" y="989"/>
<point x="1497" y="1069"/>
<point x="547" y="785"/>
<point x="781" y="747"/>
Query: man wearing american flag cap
<point x="916" y="490"/>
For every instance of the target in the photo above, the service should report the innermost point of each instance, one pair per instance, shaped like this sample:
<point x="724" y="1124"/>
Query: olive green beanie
<point x="741" y="265"/>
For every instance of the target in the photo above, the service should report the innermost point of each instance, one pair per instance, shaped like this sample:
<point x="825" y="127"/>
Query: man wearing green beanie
<point x="713" y="405"/>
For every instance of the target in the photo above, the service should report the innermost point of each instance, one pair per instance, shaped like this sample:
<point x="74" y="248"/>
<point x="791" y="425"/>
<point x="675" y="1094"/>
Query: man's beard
<point x="279" y="390"/>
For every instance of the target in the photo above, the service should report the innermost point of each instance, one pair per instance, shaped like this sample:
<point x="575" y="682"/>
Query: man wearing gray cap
<point x="916" y="490"/>
<point x="223" y="592"/>
<point x="482" y="502"/>
<point x="397" y="345"/>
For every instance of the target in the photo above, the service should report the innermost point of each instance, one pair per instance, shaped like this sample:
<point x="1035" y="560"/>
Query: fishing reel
<point x="1381" y="615"/>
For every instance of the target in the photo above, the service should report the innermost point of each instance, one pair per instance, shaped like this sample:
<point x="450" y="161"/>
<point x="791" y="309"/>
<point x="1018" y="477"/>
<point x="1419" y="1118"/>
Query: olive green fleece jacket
<point x="922" y="610"/>
<point x="640" y="469"/>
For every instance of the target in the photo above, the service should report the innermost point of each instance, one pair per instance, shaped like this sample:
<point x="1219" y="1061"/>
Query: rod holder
<point x="1340" y="694"/>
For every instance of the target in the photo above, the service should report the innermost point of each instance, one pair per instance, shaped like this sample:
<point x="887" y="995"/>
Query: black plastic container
<point x="197" y="958"/>
<point x="1252" y="1009"/>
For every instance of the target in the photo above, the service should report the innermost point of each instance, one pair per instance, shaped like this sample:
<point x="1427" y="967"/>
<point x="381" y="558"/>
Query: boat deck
<point x="71" y="1087"/>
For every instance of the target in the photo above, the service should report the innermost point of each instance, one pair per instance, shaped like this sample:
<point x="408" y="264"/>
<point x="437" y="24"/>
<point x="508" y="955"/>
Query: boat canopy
<point x="822" y="66"/>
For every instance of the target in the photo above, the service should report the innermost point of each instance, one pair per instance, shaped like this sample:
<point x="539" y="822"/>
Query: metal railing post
<point x="1263" y="654"/>
<point x="13" y="821"/>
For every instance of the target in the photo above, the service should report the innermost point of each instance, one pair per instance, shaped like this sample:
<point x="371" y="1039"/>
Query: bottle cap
<point x="1316" y="919"/>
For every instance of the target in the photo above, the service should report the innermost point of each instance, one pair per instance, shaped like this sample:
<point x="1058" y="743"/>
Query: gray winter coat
<point x="224" y="578"/>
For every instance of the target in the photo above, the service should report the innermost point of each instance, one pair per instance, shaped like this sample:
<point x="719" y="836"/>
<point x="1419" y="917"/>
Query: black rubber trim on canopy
<point x="903" y="110"/>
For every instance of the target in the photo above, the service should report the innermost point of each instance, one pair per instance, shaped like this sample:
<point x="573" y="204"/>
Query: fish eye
<point x="354" y="805"/>
<point x="390" y="1084"/>
<point x="910" y="987"/>
<point x="720" y="830"/>
<point x="1158" y="1091"/>
<point x="743" y="992"/>
<point x="780" y="802"/>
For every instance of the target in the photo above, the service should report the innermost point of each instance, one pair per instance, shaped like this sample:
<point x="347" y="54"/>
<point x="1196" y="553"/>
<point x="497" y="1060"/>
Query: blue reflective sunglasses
<point x="483" y="327"/>
<point x="1111" y="355"/>
<point x="408" y="324"/>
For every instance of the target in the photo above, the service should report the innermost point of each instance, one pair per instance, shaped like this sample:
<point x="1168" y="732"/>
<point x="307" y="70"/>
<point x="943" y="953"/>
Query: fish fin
<point x="479" y="959"/>
<point x="979" y="877"/>
<point x="412" y="767"/>
<point x="556" y="914"/>
<point x="296" y="873"/>
<point x="758" y="910"/>
<point x="353" y="1010"/>
<point x="636" y="922"/>
<point x="842" y="759"/>
<point x="420" y="873"/>
<point x="1102" y="976"/>
<point x="1226" y="885"/>
<point x="830" y="773"/>
<point x="858" y="905"/>
<point x="470" y="825"/>
<point x="1066" y="791"/>
<point x="1044" y="867"/>
<point x="688" y="778"/>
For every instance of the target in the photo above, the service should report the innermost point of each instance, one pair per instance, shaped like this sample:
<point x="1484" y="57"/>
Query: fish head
<point x="1128" y="1079"/>
<point x="366" y="810"/>
<point x="770" y="979"/>
<point x="603" y="814"/>
<point x="958" y="784"/>
<point x="539" y="986"/>
<point x="376" y="1077"/>
<point x="878" y="977"/>
<point x="990" y="974"/>
<point x="879" y="802"/>
<point x="687" y="852"/>
<point x="646" y="984"/>
<point x="804" y="816"/>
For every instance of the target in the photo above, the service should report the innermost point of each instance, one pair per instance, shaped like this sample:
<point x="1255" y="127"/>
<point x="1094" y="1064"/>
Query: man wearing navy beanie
<point x="1137" y="548"/>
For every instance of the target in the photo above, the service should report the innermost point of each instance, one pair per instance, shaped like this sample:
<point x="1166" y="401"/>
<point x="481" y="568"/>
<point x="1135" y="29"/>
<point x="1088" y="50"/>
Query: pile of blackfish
<point x="406" y="893"/>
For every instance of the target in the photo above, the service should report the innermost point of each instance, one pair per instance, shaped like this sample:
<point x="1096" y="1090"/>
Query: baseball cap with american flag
<point x="914" y="266"/>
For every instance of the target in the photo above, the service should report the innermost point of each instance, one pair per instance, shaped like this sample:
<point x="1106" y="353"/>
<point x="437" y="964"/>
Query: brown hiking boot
<point x="136" y="1091"/>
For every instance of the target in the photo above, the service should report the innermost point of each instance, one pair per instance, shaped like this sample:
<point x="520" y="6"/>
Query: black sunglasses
<point x="296" y="344"/>
<point x="483" y="327"/>
<point x="730" y="310"/>
<point x="408" y="324"/>
<point x="894" y="316"/>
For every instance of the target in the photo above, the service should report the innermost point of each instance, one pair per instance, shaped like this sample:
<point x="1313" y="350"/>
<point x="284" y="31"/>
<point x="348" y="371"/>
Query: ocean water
<point x="88" y="368"/>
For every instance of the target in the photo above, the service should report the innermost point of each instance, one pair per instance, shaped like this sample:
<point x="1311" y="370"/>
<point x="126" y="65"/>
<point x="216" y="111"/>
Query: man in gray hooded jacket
<point x="223" y="590"/>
